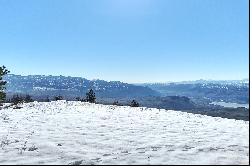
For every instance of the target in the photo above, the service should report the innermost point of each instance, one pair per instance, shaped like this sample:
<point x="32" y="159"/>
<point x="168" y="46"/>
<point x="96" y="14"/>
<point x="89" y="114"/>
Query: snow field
<point x="71" y="132"/>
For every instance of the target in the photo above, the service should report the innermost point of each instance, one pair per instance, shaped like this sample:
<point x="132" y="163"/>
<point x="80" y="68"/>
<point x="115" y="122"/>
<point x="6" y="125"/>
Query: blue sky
<point x="127" y="40"/>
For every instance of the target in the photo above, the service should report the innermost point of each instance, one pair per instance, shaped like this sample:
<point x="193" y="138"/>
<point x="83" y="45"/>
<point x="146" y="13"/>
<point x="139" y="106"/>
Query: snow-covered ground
<point x="70" y="132"/>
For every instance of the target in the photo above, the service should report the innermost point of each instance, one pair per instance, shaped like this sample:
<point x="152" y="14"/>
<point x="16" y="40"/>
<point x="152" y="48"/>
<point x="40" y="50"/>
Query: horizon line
<point x="201" y="79"/>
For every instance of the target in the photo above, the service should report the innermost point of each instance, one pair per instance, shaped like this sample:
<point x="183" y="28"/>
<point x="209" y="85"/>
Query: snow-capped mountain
<point x="243" y="82"/>
<point x="74" y="86"/>
<point x="236" y="91"/>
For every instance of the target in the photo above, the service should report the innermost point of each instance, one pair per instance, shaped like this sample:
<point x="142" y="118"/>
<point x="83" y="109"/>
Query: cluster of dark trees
<point x="90" y="97"/>
<point x="20" y="99"/>
<point x="133" y="103"/>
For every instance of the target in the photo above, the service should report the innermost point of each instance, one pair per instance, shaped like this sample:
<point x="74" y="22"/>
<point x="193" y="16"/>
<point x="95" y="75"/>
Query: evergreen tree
<point x="28" y="99"/>
<point x="90" y="96"/>
<point x="115" y="103"/>
<point x="17" y="99"/>
<point x="134" y="103"/>
<point x="3" y="71"/>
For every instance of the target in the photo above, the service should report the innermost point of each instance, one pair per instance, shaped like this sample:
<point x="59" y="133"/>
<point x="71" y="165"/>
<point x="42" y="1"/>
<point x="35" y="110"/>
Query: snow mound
<point x="70" y="132"/>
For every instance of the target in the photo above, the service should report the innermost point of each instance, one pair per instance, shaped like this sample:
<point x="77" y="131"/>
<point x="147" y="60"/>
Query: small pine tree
<point x="90" y="96"/>
<point x="3" y="71"/>
<point x="134" y="103"/>
<point x="115" y="103"/>
<point x="78" y="99"/>
<point x="47" y="99"/>
<point x="28" y="99"/>
<point x="17" y="99"/>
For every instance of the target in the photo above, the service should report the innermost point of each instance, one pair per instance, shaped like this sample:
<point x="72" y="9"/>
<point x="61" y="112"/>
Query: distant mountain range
<point x="194" y="96"/>
<point x="235" y="91"/>
<point x="40" y="85"/>
<point x="199" y="91"/>
<point x="201" y="81"/>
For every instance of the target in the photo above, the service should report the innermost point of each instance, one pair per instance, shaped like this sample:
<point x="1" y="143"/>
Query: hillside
<point x="71" y="132"/>
<point x="71" y="87"/>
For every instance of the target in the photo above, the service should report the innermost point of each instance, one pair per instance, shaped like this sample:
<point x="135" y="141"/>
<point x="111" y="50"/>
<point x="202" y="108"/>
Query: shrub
<point x="17" y="99"/>
<point x="28" y="99"/>
<point x="58" y="98"/>
<point x="134" y="103"/>
<point x="115" y="103"/>
<point x="47" y="99"/>
<point x="80" y="99"/>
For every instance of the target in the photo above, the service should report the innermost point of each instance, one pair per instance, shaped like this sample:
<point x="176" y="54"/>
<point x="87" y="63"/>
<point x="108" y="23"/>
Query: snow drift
<point x="70" y="132"/>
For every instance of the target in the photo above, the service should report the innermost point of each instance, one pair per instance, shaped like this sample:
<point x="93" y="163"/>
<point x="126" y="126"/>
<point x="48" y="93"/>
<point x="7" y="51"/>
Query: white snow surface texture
<point x="71" y="132"/>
